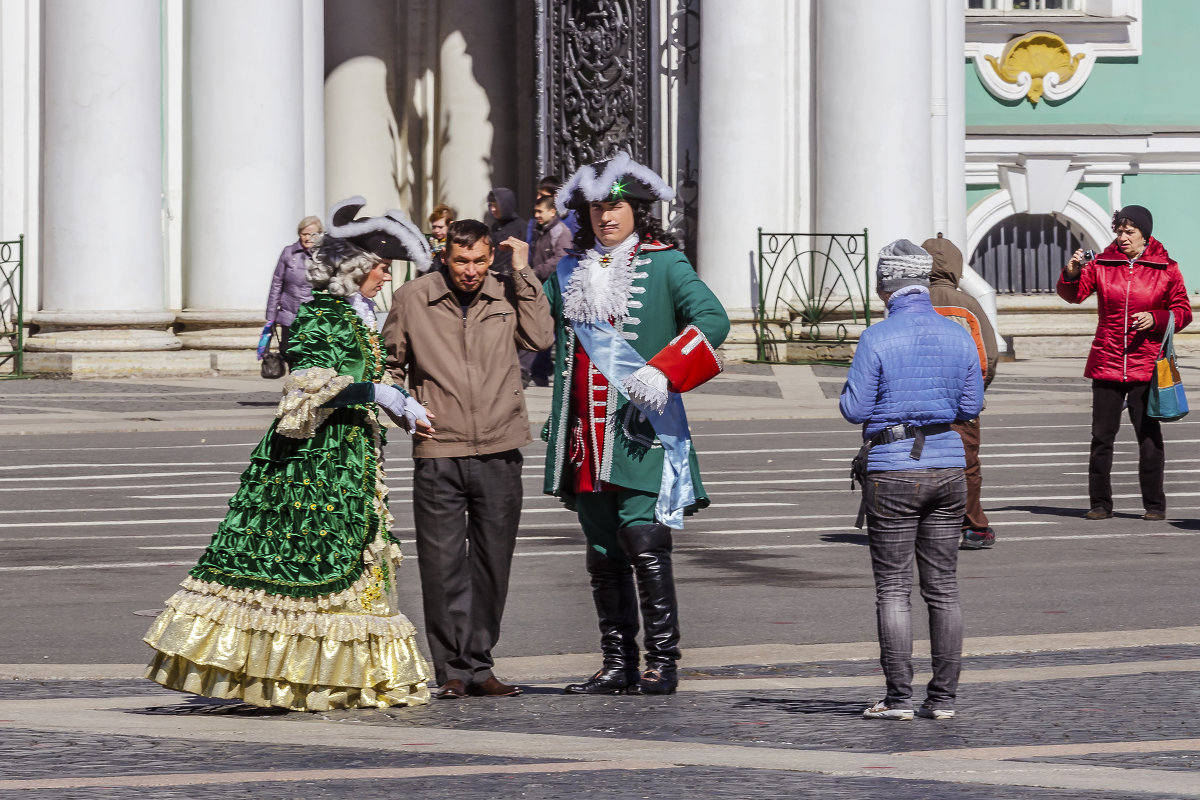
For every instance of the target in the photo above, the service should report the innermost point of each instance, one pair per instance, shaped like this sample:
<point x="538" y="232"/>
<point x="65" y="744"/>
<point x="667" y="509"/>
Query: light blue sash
<point x="617" y="360"/>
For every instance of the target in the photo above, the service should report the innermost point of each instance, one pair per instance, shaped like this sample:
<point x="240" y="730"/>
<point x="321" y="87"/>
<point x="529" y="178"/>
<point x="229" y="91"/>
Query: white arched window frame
<point x="1086" y="218"/>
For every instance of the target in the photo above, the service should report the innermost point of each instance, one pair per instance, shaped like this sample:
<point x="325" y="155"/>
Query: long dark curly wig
<point x="645" y="224"/>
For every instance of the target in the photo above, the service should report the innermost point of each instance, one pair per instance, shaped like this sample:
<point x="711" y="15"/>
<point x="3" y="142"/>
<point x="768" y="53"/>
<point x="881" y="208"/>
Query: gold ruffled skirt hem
<point x="287" y="670"/>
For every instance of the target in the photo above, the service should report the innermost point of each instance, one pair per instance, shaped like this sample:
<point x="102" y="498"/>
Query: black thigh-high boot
<point x="617" y="610"/>
<point x="649" y="548"/>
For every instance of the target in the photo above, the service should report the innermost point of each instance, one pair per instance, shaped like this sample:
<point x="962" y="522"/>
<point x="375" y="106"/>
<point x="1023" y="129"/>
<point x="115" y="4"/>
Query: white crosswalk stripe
<point x="770" y="490"/>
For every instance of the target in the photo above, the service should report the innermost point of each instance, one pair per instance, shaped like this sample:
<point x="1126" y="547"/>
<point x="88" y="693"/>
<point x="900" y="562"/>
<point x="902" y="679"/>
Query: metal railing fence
<point x="12" y="316"/>
<point x="811" y="287"/>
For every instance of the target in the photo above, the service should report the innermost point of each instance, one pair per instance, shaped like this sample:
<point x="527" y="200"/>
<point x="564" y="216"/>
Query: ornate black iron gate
<point x="622" y="75"/>
<point x="594" y="82"/>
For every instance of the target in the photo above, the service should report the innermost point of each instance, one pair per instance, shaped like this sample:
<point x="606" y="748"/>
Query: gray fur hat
<point x="901" y="264"/>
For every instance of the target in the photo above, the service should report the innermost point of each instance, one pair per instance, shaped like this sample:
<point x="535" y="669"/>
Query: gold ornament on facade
<point x="1037" y="54"/>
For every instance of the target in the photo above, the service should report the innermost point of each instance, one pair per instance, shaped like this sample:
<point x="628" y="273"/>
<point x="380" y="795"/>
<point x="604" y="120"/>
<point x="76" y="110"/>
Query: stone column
<point x="244" y="167"/>
<point x="873" y="99"/>
<point x="746" y="121"/>
<point x="103" y="296"/>
<point x="948" y="117"/>
<point x="477" y="120"/>
<point x="363" y="153"/>
<point x="314" y="108"/>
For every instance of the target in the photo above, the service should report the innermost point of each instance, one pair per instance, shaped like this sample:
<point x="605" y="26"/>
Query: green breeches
<point x="602" y="514"/>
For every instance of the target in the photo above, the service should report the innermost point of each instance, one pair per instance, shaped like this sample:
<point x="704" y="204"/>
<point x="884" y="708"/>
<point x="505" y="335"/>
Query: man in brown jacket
<point x="453" y="336"/>
<point x="954" y="303"/>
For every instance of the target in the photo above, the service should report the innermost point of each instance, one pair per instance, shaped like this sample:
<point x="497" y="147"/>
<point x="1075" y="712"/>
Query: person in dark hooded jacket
<point x="503" y="222"/>
<point x="955" y="304"/>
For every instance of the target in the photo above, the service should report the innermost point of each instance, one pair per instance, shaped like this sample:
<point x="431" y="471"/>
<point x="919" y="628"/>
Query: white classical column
<point x="363" y="155"/>
<point x="873" y="101"/>
<point x="747" y="114"/>
<point x="949" y="120"/>
<point x="244" y="166"/>
<point x="956" y="123"/>
<point x="477" y="121"/>
<point x="103" y="276"/>
<point x="314" y="107"/>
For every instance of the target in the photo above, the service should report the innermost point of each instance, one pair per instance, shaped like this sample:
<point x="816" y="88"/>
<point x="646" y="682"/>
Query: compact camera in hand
<point x="1089" y="255"/>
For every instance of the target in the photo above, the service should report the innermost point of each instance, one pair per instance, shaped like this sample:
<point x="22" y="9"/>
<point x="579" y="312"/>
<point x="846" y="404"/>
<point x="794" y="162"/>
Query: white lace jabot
<point x="365" y="308"/>
<point x="600" y="286"/>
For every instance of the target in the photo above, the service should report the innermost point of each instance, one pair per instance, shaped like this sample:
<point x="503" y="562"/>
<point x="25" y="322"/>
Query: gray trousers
<point x="917" y="513"/>
<point x="466" y="512"/>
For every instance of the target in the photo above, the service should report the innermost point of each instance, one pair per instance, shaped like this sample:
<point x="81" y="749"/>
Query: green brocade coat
<point x="671" y="297"/>
<point x="305" y="512"/>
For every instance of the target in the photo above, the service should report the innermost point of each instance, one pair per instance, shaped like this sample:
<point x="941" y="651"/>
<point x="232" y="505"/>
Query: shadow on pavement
<point x="803" y="705"/>
<point x="846" y="538"/>
<point x="1050" y="511"/>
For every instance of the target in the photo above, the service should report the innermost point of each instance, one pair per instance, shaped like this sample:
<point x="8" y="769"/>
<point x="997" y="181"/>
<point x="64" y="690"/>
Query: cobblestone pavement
<point x="830" y="719"/>
<point x="771" y="704"/>
<point x="710" y="784"/>
<point x="1052" y="736"/>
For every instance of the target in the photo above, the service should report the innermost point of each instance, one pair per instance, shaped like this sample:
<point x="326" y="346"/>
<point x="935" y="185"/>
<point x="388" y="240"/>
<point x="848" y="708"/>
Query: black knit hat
<point x="1139" y="216"/>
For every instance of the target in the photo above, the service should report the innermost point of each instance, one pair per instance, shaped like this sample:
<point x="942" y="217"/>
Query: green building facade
<point x="1072" y="112"/>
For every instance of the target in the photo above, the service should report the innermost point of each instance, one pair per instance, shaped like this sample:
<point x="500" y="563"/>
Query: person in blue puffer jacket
<point x="913" y="374"/>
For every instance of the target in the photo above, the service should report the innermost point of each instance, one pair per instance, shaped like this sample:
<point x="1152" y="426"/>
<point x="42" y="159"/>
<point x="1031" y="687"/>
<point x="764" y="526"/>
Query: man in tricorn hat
<point x="635" y="328"/>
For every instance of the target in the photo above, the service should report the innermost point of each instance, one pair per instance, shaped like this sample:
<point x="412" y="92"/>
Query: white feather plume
<point x="597" y="187"/>
<point x="394" y="223"/>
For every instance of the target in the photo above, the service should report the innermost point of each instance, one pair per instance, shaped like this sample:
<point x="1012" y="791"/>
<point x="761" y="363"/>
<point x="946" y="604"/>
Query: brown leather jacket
<point x="464" y="368"/>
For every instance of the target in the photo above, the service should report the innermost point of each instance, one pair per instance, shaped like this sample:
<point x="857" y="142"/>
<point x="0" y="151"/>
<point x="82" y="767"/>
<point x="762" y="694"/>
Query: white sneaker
<point x="935" y="713"/>
<point x="882" y="710"/>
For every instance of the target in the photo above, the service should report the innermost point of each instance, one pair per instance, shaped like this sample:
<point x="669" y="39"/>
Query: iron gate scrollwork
<point x="812" y="287"/>
<point x="594" y="82"/>
<point x="12" y="318"/>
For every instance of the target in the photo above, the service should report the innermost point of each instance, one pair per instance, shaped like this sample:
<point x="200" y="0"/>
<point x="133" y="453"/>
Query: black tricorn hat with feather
<point x="392" y="236"/>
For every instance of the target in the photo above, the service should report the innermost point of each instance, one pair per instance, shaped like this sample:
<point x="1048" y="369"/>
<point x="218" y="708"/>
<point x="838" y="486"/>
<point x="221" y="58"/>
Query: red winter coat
<point x="1123" y="288"/>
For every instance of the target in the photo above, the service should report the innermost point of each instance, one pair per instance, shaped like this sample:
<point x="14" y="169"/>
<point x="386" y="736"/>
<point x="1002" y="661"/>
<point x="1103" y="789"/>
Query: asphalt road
<point x="99" y="528"/>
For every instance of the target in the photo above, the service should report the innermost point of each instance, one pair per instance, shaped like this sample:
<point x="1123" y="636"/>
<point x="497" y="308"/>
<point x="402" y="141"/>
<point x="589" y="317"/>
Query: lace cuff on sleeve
<point x="304" y="392"/>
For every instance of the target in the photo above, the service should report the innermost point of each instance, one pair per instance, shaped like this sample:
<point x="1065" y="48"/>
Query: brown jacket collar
<point x="439" y="287"/>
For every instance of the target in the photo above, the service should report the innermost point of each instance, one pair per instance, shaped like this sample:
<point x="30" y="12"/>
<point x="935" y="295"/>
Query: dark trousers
<point x="285" y="335"/>
<point x="1108" y="397"/>
<point x="466" y="512"/>
<point x="968" y="431"/>
<point x="536" y="366"/>
<point x="917" y="514"/>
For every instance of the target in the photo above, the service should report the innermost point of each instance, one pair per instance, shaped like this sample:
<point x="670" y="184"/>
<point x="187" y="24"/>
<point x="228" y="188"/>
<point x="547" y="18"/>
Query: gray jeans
<point x="917" y="513"/>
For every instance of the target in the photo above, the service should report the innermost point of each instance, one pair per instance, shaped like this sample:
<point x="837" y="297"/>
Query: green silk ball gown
<point x="293" y="603"/>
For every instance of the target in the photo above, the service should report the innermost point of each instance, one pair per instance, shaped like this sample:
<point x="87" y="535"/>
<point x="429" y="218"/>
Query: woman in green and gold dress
<point x="293" y="604"/>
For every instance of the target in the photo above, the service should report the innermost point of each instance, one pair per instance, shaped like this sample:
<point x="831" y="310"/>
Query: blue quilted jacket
<point x="914" y="368"/>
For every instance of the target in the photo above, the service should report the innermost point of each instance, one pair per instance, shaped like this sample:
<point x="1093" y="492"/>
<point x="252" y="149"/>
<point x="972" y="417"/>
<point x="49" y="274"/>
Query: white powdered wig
<point x="394" y="223"/>
<point x="337" y="266"/>
<point x="597" y="187"/>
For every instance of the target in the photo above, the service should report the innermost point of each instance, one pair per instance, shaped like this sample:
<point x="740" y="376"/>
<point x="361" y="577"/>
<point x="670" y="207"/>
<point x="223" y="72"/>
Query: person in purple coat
<point x="289" y="285"/>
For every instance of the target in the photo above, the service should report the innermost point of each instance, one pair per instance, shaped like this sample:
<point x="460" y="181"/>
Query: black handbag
<point x="273" y="365"/>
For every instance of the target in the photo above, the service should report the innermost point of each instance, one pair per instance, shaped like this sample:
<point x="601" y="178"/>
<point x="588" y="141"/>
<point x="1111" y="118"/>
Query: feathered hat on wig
<point x="392" y="236"/>
<point x="616" y="178"/>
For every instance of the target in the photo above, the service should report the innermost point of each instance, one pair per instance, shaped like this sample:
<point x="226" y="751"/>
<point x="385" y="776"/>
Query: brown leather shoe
<point x="453" y="689"/>
<point x="1154" y="515"/>
<point x="1098" y="513"/>
<point x="493" y="687"/>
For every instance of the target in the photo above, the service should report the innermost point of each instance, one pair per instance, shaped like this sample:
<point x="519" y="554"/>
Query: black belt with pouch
<point x="892" y="433"/>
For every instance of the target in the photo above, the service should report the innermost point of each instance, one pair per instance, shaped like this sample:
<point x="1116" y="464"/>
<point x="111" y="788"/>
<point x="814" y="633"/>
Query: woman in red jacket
<point x="1137" y="285"/>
